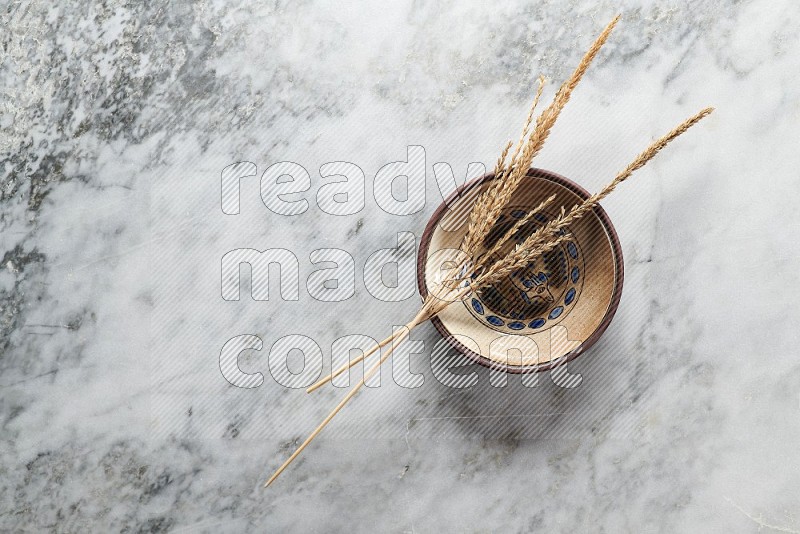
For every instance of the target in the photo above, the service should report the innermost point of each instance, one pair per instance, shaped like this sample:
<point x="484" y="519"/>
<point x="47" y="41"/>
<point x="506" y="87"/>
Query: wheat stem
<point x="327" y="420"/>
<point x="404" y="333"/>
<point x="350" y="363"/>
<point x="366" y="354"/>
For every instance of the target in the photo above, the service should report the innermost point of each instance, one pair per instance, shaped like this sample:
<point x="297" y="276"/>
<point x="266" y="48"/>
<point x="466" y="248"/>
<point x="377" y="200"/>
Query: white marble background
<point x="116" y="121"/>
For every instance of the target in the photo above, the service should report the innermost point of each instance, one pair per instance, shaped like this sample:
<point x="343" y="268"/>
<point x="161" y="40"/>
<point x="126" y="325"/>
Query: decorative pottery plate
<point x="544" y="314"/>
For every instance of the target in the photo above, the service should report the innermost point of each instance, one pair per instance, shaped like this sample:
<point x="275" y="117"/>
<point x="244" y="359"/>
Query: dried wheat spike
<point x="488" y="206"/>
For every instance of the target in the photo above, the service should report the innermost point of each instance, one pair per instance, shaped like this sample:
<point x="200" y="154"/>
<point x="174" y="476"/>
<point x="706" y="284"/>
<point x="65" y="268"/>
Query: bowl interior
<point x="545" y="313"/>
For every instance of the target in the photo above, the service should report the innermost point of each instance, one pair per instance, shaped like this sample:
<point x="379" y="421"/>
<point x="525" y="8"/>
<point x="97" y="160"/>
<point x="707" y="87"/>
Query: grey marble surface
<point x="117" y="120"/>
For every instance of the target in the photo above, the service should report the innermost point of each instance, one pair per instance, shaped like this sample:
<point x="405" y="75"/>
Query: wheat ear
<point x="491" y="202"/>
<point x="532" y="246"/>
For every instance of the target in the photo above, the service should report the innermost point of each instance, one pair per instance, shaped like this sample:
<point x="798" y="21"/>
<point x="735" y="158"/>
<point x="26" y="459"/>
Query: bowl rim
<point x="616" y="252"/>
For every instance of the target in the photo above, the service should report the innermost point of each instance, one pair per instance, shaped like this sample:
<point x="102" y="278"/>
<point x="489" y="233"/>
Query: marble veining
<point x="117" y="119"/>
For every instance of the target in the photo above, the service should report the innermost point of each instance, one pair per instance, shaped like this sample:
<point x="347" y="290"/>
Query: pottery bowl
<point x="540" y="316"/>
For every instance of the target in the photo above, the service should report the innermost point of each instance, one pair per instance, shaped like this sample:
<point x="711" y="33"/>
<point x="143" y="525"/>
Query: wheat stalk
<point x="484" y="214"/>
